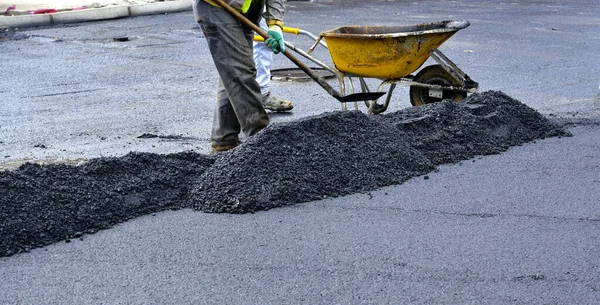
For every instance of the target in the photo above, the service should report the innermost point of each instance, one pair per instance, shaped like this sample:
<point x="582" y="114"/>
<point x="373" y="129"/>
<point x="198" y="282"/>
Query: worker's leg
<point x="226" y="127"/>
<point x="238" y="97"/>
<point x="263" y="56"/>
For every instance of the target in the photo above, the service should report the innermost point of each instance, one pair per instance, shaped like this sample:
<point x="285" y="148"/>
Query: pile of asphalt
<point x="483" y="124"/>
<point x="332" y="154"/>
<point x="341" y="153"/>
<point x="43" y="204"/>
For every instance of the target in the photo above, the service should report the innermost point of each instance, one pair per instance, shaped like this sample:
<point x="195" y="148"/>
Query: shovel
<point x="363" y="96"/>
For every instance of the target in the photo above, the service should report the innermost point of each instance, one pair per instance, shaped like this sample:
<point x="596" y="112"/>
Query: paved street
<point x="520" y="227"/>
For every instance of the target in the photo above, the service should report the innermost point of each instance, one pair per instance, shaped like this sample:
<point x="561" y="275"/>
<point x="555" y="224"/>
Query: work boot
<point x="271" y="102"/>
<point x="215" y="149"/>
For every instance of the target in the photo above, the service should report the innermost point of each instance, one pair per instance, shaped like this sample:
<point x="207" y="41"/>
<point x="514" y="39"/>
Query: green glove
<point x="275" y="40"/>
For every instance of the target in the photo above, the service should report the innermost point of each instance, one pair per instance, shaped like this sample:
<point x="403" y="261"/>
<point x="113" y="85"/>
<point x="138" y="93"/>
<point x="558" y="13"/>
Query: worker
<point x="239" y="100"/>
<point x="263" y="57"/>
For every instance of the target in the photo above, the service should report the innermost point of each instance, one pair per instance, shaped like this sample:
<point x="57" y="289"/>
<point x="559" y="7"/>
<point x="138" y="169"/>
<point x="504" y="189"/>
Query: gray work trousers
<point x="239" y="100"/>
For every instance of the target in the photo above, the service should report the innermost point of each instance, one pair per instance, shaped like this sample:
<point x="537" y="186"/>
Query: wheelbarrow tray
<point x="386" y="52"/>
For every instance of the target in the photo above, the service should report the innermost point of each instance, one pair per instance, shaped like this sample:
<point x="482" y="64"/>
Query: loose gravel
<point x="332" y="154"/>
<point x="43" y="204"/>
<point x="341" y="153"/>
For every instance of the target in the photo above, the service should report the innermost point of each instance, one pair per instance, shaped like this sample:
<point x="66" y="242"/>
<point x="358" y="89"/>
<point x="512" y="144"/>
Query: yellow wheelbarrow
<point x="392" y="53"/>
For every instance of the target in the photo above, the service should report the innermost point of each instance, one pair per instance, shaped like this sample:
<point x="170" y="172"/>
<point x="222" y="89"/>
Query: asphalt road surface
<point x="520" y="227"/>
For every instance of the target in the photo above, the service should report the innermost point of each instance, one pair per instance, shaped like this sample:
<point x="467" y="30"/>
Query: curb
<point x="95" y="14"/>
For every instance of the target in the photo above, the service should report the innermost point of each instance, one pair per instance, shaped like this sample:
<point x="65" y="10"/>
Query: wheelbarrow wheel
<point x="434" y="75"/>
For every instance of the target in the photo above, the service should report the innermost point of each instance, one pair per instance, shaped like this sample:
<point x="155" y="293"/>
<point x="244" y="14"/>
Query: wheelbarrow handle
<point x="301" y="65"/>
<point x="295" y="31"/>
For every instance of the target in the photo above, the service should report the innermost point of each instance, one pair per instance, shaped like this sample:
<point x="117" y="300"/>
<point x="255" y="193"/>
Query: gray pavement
<point x="516" y="228"/>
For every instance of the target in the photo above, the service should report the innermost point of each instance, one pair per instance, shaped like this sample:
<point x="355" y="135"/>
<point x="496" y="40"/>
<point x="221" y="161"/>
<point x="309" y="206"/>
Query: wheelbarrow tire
<point x="434" y="75"/>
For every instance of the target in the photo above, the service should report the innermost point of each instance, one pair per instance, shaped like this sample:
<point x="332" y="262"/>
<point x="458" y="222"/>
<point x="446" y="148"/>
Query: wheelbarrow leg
<point x="352" y="90"/>
<point x="375" y="108"/>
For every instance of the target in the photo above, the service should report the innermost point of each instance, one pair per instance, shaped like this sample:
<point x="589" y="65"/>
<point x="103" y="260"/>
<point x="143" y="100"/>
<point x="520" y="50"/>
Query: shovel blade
<point x="362" y="96"/>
